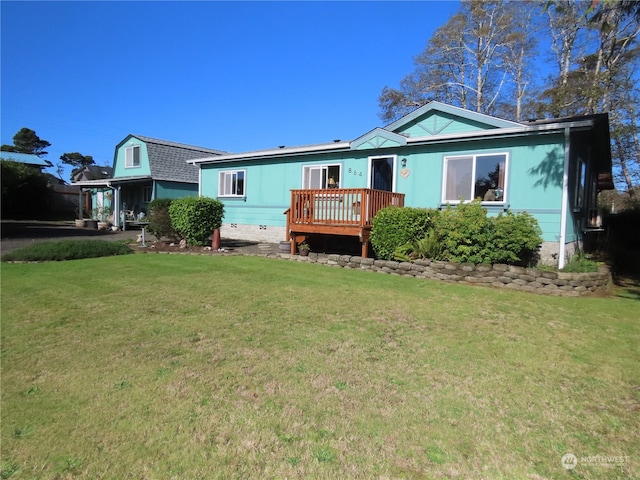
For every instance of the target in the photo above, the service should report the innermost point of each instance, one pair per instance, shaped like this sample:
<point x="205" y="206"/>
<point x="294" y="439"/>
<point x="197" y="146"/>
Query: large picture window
<point x="321" y="176"/>
<point x="132" y="156"/>
<point x="475" y="176"/>
<point x="231" y="183"/>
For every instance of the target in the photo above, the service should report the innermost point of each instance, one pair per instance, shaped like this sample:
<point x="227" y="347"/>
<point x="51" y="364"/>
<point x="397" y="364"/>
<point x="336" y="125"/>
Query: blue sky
<point x="234" y="76"/>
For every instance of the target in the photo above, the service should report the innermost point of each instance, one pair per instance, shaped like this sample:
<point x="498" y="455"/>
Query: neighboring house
<point x="145" y="169"/>
<point x="26" y="158"/>
<point x="436" y="155"/>
<point x="91" y="172"/>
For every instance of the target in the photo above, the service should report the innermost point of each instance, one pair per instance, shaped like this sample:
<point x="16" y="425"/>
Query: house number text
<point x="355" y="172"/>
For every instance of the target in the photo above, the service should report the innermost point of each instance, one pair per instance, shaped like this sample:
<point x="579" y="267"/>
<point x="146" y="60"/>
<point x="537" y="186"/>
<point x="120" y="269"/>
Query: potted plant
<point x="303" y="249"/>
<point x="102" y="213"/>
<point x="81" y="218"/>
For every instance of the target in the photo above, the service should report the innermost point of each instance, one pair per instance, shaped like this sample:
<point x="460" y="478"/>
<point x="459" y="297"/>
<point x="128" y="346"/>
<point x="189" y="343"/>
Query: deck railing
<point x="340" y="206"/>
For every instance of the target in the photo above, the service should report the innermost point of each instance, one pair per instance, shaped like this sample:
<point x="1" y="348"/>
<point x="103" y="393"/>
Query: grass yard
<point x="206" y="367"/>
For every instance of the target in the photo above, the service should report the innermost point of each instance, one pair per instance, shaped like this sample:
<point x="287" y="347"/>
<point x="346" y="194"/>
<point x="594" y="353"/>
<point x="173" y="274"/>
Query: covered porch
<point x="336" y="211"/>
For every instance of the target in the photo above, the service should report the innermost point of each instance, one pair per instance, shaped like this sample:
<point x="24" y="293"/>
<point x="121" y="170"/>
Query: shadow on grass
<point x="628" y="286"/>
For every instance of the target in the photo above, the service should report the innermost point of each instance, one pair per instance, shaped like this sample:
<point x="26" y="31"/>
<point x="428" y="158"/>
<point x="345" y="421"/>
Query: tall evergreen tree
<point x="26" y="141"/>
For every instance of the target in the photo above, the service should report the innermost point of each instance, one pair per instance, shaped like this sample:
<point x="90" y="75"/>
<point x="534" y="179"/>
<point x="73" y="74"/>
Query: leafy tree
<point x="77" y="160"/>
<point x="598" y="56"/>
<point x="464" y="63"/>
<point x="484" y="59"/>
<point x="26" y="141"/>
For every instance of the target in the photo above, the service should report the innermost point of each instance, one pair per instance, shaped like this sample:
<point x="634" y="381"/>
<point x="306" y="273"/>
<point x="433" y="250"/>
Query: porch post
<point x="80" y="205"/>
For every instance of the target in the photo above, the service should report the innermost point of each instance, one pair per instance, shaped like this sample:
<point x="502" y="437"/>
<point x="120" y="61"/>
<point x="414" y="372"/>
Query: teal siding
<point x="440" y="123"/>
<point x="166" y="189"/>
<point x="534" y="178"/>
<point x="119" y="169"/>
<point x="268" y="185"/>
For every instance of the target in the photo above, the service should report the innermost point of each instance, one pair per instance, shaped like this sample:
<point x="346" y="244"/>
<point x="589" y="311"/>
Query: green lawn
<point x="188" y="367"/>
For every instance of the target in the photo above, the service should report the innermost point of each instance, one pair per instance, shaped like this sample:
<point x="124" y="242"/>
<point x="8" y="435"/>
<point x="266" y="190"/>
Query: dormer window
<point x="132" y="157"/>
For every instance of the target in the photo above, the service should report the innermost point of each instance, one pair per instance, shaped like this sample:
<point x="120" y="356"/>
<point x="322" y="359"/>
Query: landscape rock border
<point x="499" y="275"/>
<point x="512" y="277"/>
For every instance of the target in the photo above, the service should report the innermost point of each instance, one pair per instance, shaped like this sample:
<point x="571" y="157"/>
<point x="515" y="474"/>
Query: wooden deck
<point x="344" y="211"/>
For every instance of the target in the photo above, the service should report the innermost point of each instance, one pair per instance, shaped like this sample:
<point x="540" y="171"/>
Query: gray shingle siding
<point x="168" y="160"/>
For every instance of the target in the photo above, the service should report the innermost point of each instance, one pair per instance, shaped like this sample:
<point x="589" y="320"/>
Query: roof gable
<point x="378" y="138"/>
<point x="168" y="160"/>
<point x="436" y="118"/>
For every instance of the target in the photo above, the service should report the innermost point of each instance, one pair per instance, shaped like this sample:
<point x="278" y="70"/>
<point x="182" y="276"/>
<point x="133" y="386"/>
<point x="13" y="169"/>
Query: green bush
<point x="465" y="233"/>
<point x="195" y="218"/>
<point x="159" y="219"/>
<point x="393" y="227"/>
<point x="427" y="247"/>
<point x="516" y="238"/>
<point x="66" y="250"/>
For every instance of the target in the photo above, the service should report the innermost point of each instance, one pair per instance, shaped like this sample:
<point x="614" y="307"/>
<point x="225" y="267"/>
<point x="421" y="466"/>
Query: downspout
<point x="565" y="200"/>
<point x="116" y="206"/>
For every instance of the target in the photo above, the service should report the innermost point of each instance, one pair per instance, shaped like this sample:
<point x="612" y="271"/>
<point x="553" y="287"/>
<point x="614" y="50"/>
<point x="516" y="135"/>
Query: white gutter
<point x="346" y="146"/>
<point x="565" y="200"/>
<point x="274" y="152"/>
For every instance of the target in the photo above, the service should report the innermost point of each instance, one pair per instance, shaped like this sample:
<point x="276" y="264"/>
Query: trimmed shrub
<point x="66" y="250"/>
<point x="393" y="227"/>
<point x="195" y="218"/>
<point x="516" y="238"/>
<point x="159" y="220"/>
<point x="465" y="233"/>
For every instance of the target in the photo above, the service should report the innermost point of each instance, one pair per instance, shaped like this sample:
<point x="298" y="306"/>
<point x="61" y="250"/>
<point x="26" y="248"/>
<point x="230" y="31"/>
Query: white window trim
<point x="474" y="156"/>
<point x="147" y="189"/>
<point x="369" y="168"/>
<point x="231" y="172"/>
<point x="321" y="166"/>
<point x="131" y="148"/>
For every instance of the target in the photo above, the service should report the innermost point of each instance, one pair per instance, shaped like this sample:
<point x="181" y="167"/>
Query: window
<point x="231" y="183"/>
<point x="475" y="176"/>
<point x="132" y="157"/>
<point x="147" y="194"/>
<point x="321" y="176"/>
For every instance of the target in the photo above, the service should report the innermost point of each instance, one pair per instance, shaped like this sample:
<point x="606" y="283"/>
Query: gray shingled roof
<point x="168" y="160"/>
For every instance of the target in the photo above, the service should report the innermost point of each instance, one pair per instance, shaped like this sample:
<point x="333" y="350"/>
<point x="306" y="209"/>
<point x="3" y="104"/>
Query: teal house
<point x="434" y="156"/>
<point x="144" y="169"/>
